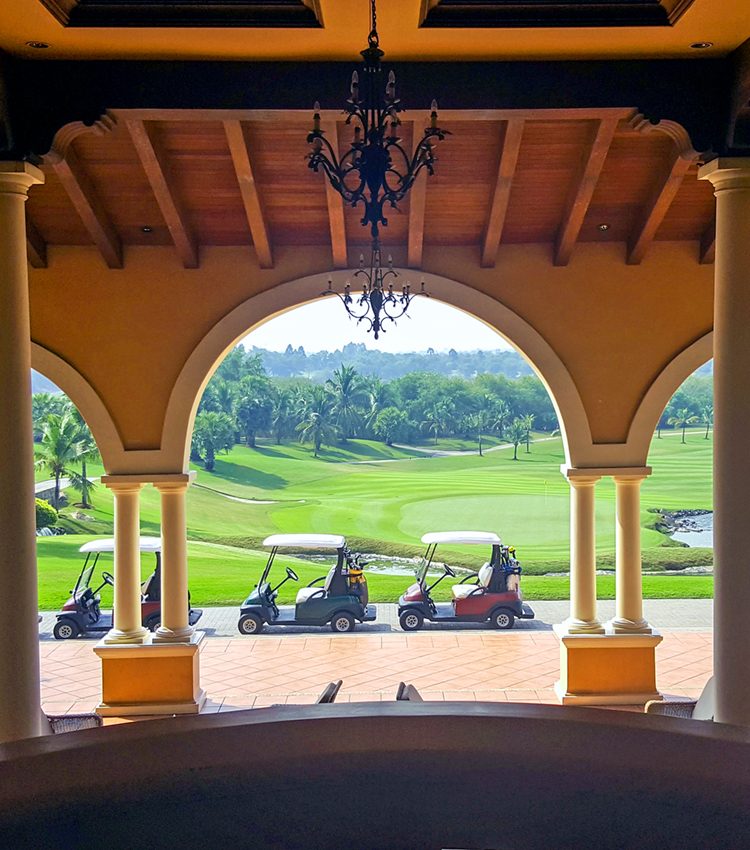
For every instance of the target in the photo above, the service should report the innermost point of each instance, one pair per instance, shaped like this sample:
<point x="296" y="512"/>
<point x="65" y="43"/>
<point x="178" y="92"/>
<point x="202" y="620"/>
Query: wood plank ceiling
<point x="189" y="179"/>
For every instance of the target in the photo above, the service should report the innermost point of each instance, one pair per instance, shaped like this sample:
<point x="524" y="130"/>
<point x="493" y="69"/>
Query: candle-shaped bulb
<point x="357" y="134"/>
<point x="422" y="282"/>
<point x="391" y="87"/>
<point x="354" y="88"/>
<point x="316" y="117"/>
<point x="390" y="261"/>
<point x="330" y="283"/>
<point x="361" y="261"/>
<point x="433" y="114"/>
<point x="347" y="286"/>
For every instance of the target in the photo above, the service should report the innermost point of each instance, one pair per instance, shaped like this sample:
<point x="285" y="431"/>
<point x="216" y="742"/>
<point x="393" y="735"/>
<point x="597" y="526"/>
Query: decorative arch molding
<point x="226" y="333"/>
<point x="662" y="389"/>
<point x="85" y="398"/>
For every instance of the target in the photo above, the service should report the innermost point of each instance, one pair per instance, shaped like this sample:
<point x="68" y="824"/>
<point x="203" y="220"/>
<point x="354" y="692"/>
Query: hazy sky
<point x="324" y="325"/>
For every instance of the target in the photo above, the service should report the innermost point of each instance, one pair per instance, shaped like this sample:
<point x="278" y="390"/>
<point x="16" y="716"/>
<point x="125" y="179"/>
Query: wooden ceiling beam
<point x="663" y="194"/>
<point x="89" y="207"/>
<point x="583" y="190"/>
<point x="154" y="163"/>
<point x="417" y="204"/>
<point x="499" y="207"/>
<point x="335" y="202"/>
<point x="235" y="134"/>
<point x="708" y="243"/>
<point x="36" y="247"/>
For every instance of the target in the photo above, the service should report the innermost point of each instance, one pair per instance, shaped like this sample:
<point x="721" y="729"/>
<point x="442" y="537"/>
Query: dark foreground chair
<point x="407" y="693"/>
<point x="703" y="708"/>
<point x="54" y="724"/>
<point x="329" y="693"/>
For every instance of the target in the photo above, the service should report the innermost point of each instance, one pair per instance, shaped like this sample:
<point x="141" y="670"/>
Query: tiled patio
<point x="246" y="672"/>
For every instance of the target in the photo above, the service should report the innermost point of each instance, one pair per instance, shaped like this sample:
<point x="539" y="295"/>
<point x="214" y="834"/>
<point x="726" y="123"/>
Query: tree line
<point x="242" y="402"/>
<point x="691" y="405"/>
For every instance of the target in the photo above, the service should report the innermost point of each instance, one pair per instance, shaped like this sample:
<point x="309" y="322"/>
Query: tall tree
<point x="516" y="434"/>
<point x="254" y="406"/>
<point x="60" y="450"/>
<point x="213" y="432"/>
<point x="317" y="424"/>
<point x="42" y="404"/>
<point x="707" y="417"/>
<point x="681" y="419"/>
<point x="527" y="420"/>
<point x="348" y="395"/>
<point x="281" y="414"/>
<point x="89" y="452"/>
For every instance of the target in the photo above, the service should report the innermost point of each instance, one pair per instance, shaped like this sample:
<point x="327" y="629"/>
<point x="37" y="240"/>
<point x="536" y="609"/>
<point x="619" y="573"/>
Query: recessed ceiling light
<point x="702" y="45"/>
<point x="147" y="229"/>
<point x="603" y="227"/>
<point x="37" y="45"/>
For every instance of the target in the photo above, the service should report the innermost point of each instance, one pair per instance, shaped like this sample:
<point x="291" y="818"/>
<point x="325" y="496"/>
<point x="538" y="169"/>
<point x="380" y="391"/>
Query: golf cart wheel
<point x="502" y="619"/>
<point x="342" y="622"/>
<point x="153" y="622"/>
<point x="410" y="621"/>
<point x="65" y="630"/>
<point x="250" y="624"/>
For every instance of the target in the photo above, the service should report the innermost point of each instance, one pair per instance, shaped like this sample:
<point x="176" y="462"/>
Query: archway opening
<point x="677" y="501"/>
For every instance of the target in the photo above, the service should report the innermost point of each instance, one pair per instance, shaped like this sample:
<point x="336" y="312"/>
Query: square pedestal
<point x="607" y="669"/>
<point x="151" y="678"/>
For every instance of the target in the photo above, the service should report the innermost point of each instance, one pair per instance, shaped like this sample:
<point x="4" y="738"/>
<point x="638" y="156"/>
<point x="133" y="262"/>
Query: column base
<point x="151" y="678"/>
<point x="573" y="626"/>
<point x="162" y="635"/>
<point x="619" y="625"/>
<point x="118" y="636"/>
<point x="607" y="669"/>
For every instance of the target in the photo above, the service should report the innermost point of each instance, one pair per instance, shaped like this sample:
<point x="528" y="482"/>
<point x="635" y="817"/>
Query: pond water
<point x="703" y="536"/>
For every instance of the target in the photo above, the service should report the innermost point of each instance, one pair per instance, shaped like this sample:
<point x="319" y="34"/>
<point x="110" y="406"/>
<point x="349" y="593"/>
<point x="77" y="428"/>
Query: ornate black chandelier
<point x="376" y="171"/>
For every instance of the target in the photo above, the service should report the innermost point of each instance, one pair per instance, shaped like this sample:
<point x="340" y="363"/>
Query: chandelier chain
<point x="373" y="39"/>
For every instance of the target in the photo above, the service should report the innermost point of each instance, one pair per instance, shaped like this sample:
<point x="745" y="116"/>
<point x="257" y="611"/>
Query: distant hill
<point x="40" y="384"/>
<point x="319" y="365"/>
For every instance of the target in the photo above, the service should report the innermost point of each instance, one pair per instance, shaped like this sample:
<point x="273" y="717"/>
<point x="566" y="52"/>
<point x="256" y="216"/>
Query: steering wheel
<point x="449" y="571"/>
<point x="292" y="575"/>
<point x="108" y="578"/>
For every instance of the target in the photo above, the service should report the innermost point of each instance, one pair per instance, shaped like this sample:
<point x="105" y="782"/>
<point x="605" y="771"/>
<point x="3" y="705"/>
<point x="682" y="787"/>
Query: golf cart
<point x="493" y="595"/>
<point x="341" y="600"/>
<point x="82" y="615"/>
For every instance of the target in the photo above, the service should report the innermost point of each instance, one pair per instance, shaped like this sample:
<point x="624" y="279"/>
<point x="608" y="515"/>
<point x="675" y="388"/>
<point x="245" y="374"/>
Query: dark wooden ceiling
<point x="555" y="177"/>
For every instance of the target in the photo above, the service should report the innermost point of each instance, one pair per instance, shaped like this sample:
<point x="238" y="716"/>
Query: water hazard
<point x="696" y="531"/>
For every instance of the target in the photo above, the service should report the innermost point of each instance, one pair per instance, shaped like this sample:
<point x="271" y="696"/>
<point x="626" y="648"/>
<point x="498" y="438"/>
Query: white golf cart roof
<point x="307" y="541"/>
<point x="482" y="537"/>
<point x="147" y="544"/>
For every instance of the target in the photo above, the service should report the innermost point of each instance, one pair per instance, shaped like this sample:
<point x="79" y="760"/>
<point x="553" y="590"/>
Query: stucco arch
<point x="84" y="397"/>
<point x="662" y="389"/>
<point x="227" y="332"/>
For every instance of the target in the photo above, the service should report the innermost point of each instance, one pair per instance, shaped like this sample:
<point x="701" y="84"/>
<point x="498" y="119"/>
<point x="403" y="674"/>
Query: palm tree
<point x="528" y="423"/>
<point x="707" y="417"/>
<point x="379" y="397"/>
<point x="89" y="452"/>
<point x="681" y="419"/>
<point x="348" y="391"/>
<point x="500" y="417"/>
<point x="317" y="426"/>
<point x="433" y="421"/>
<point x="478" y="422"/>
<point x="282" y="408"/>
<point x="516" y="434"/>
<point x="60" y="449"/>
<point x="213" y="432"/>
<point x="42" y="404"/>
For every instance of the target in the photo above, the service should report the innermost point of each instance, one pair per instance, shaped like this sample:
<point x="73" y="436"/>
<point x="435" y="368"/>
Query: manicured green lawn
<point x="384" y="499"/>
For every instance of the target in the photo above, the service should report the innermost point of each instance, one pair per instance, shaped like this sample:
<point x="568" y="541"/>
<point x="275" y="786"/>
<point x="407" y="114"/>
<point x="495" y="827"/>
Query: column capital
<point x="19" y="177"/>
<point x="122" y="483"/>
<point x="173" y="483"/>
<point x="727" y="173"/>
<point x="584" y="475"/>
<point x="166" y="480"/>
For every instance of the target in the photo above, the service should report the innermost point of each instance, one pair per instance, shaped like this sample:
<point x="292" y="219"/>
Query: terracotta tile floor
<point x="247" y="672"/>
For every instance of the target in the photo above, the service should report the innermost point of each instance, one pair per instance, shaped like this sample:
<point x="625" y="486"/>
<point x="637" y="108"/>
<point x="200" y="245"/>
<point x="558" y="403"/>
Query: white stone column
<point x="126" y="626"/>
<point x="731" y="476"/>
<point x="583" y="617"/>
<point x="20" y="709"/>
<point x="628" y="581"/>
<point x="174" y="626"/>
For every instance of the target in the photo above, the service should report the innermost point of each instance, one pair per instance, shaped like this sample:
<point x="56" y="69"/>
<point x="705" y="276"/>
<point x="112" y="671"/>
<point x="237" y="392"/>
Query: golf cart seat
<point x="461" y="591"/>
<point x="304" y="593"/>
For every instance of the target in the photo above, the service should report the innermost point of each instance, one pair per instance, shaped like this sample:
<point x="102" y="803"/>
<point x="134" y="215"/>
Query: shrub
<point x="46" y="515"/>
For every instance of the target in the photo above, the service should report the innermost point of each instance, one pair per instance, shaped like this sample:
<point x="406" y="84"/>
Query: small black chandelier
<point x="376" y="171"/>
